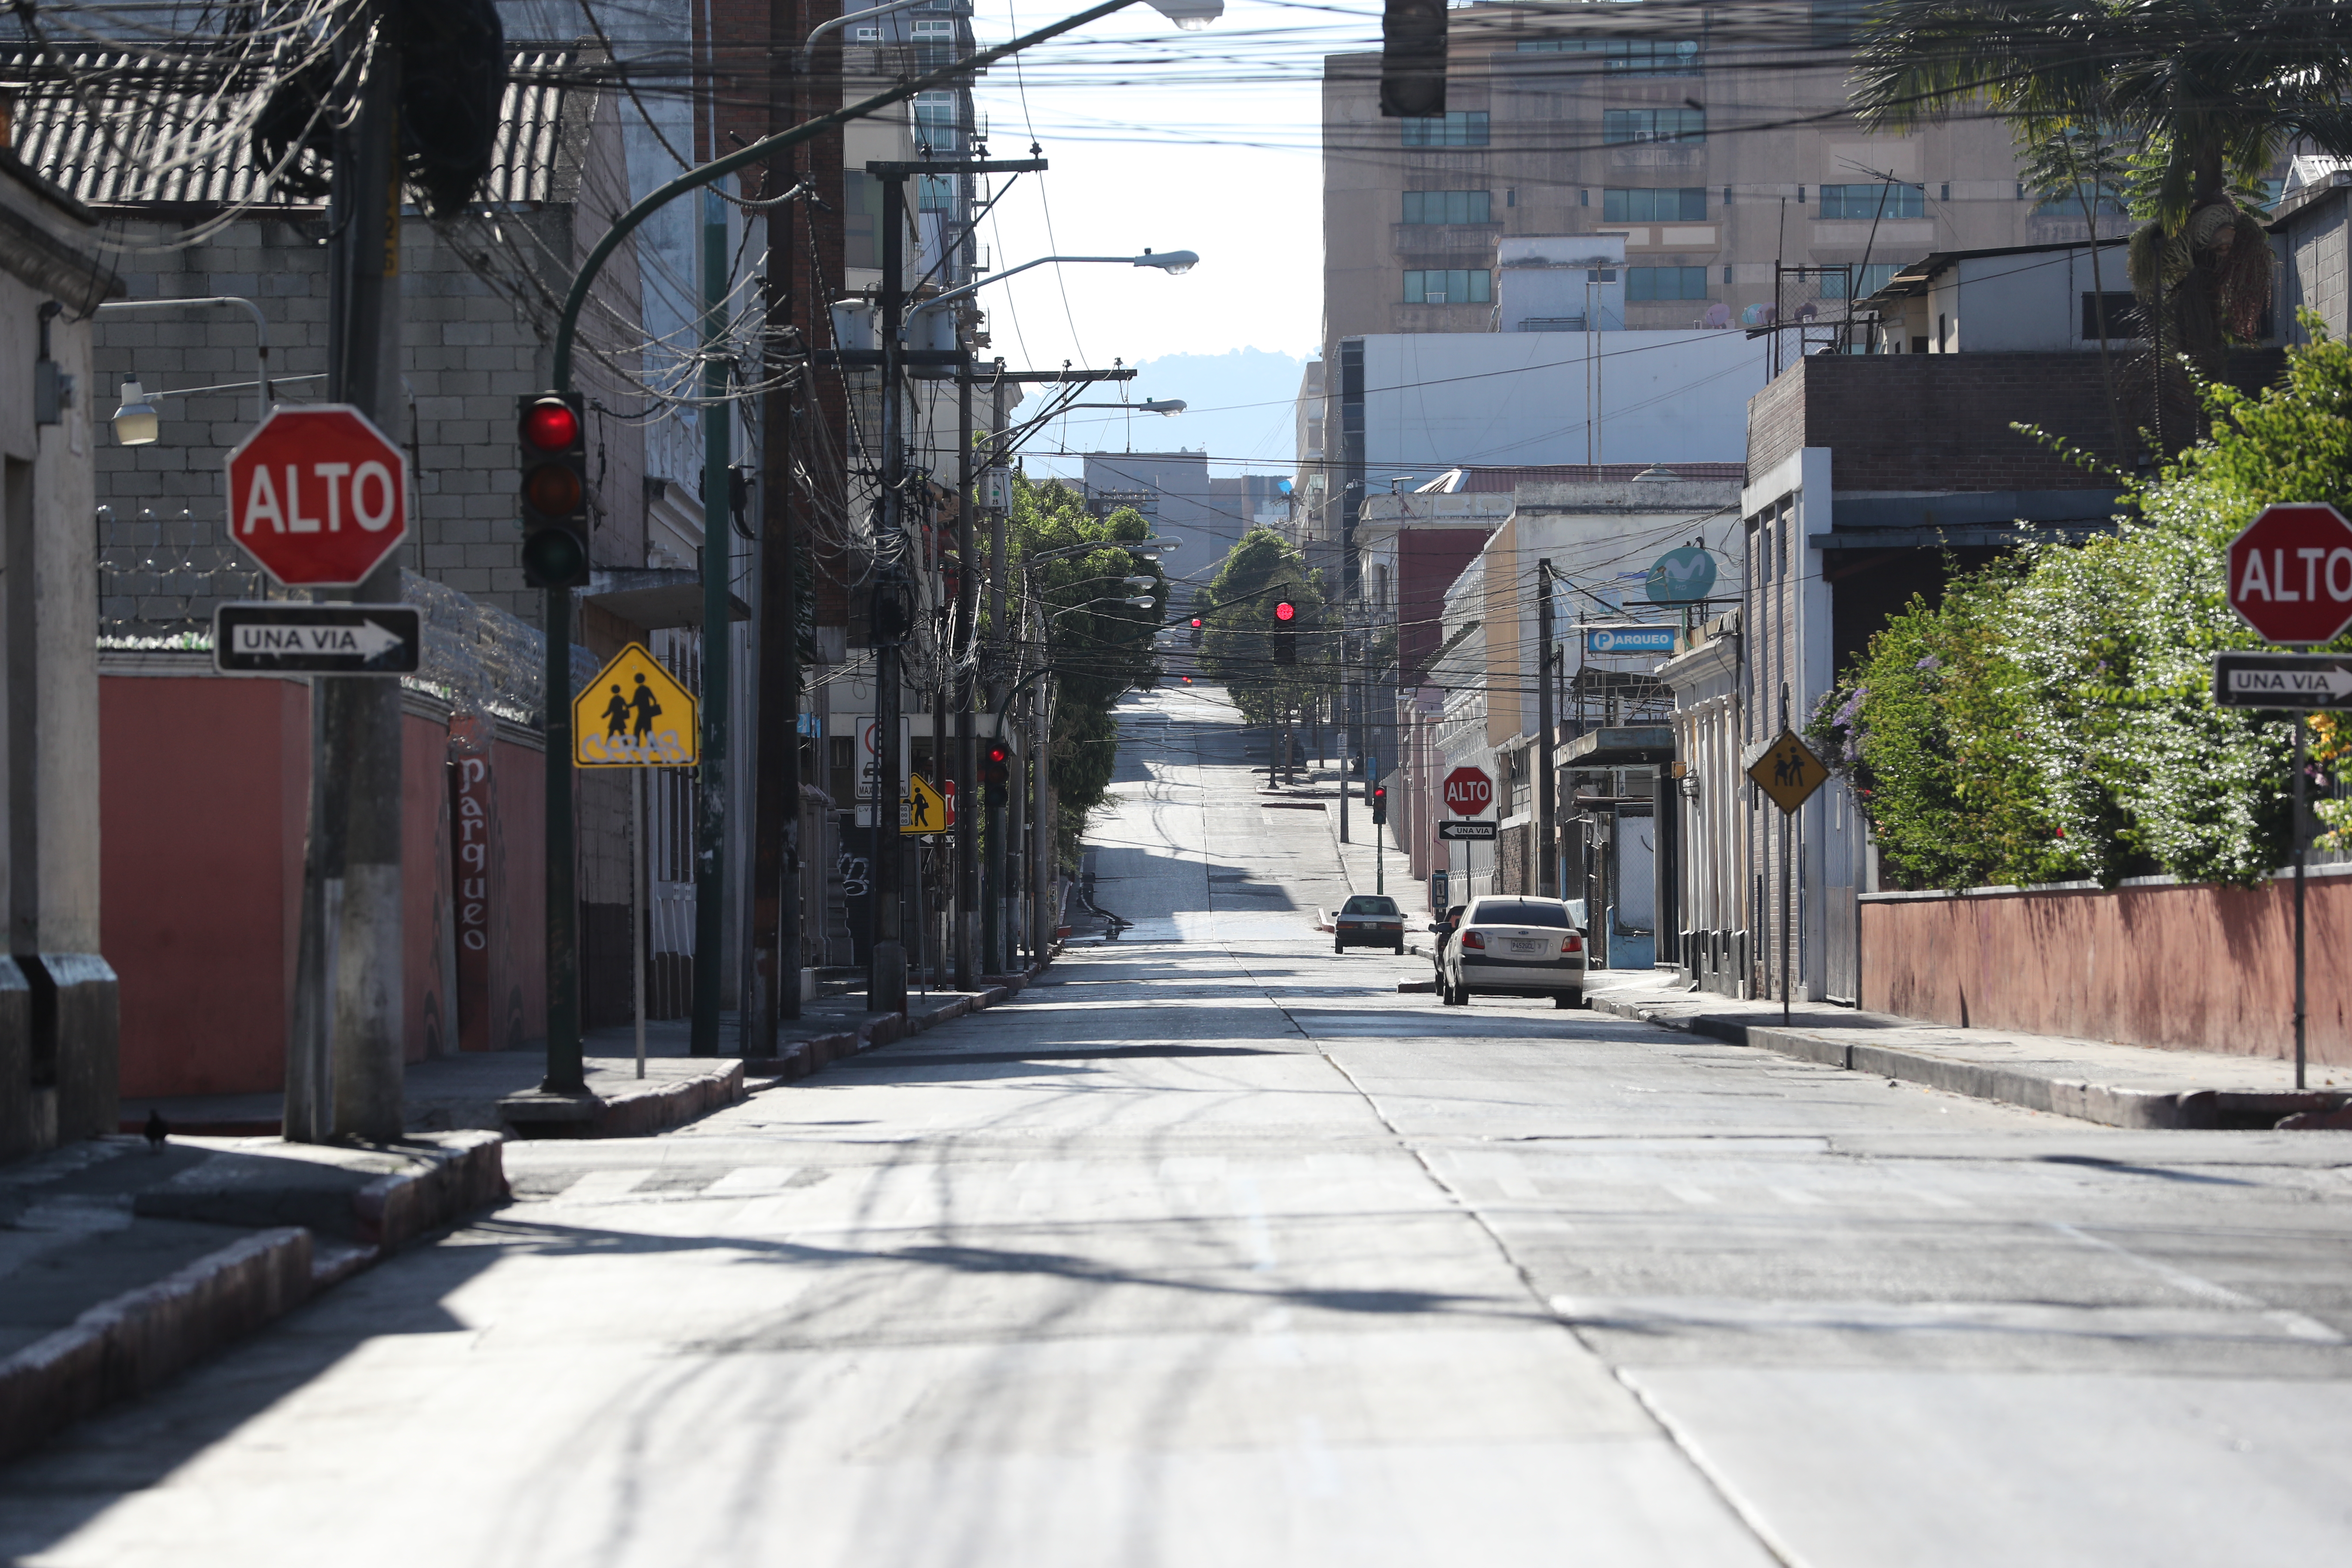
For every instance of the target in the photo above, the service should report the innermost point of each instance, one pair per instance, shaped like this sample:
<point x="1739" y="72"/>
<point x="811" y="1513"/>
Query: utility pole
<point x="772" y="989"/>
<point x="991" y="906"/>
<point x="718" y="535"/>
<point x="346" y="1074"/>
<point x="966" y="676"/>
<point x="1545" y="882"/>
<point x="885" y="975"/>
<point x="1346" y="692"/>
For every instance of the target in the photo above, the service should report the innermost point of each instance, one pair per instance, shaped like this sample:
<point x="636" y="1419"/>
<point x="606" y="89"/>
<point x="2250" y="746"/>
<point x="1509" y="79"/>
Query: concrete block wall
<point x="468" y="352"/>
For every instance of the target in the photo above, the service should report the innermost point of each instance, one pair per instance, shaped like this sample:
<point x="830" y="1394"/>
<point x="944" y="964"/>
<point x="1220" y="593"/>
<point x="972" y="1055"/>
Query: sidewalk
<point x="498" y="1090"/>
<point x="123" y="1262"/>
<point x="2118" y="1086"/>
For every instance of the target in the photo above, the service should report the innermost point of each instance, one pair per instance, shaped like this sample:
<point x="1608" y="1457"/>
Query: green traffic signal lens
<point x="555" y="557"/>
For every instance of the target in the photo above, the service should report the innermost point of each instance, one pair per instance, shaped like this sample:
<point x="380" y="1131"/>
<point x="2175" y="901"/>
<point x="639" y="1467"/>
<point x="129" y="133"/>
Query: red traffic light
<point x="549" y="424"/>
<point x="1285" y="611"/>
<point x="1380" y="792"/>
<point x="1196" y="622"/>
<point x="999" y="756"/>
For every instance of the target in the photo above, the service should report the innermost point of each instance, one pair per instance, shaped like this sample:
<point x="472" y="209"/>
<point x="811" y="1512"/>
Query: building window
<point x="1449" y="206"/>
<point x="1474" y="286"/>
<point x="1635" y="57"/>
<point x="866" y="35"/>
<point x="1664" y="283"/>
<point x="861" y="202"/>
<point x="2122" y="312"/>
<point x="1623" y="125"/>
<point x="1646" y="203"/>
<point x="1863" y="201"/>
<point x="935" y="193"/>
<point x="935" y="30"/>
<point x="1455" y="128"/>
<point x="937" y="123"/>
<point x="1874" y="276"/>
<point x="1726" y="275"/>
<point x="2106" y="204"/>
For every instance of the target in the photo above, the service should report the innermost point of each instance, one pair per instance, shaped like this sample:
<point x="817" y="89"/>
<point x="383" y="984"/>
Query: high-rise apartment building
<point x="1710" y="137"/>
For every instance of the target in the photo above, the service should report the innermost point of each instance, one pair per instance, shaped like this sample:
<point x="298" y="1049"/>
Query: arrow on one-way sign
<point x="2289" y="681"/>
<point x="281" y="638"/>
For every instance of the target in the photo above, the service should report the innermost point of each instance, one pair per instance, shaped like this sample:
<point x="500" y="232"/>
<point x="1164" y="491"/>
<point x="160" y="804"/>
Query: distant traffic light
<point x="553" y="429"/>
<point x="1286" y="632"/>
<point x="1379" y="805"/>
<point x="996" y="772"/>
<point x="1285" y="611"/>
<point x="1196" y="622"/>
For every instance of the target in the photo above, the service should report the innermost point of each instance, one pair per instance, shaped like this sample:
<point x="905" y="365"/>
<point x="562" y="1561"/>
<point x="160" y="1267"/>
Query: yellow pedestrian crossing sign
<point x="1789" y="772"/>
<point x="924" y="810"/>
<point x="634" y="714"/>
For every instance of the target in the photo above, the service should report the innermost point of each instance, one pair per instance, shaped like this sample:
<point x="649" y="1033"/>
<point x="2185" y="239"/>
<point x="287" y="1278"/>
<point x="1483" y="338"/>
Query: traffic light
<point x="996" y="772"/>
<point x="1286" y="632"/>
<point x="1380" y="806"/>
<point x="1197" y="631"/>
<point x="553" y="427"/>
<point x="1286" y="612"/>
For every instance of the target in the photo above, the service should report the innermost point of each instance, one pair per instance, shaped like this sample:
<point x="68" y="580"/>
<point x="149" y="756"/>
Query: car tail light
<point x="1572" y="942"/>
<point x="1472" y="939"/>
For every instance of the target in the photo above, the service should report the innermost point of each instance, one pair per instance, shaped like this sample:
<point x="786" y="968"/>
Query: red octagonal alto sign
<point x="2291" y="573"/>
<point x="319" y="496"/>
<point x="1469" y="792"/>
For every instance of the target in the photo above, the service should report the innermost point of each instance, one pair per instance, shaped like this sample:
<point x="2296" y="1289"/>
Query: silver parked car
<point x="1516" y="945"/>
<point x="1369" y="920"/>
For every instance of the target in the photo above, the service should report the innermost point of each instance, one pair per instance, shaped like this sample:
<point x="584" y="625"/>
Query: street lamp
<point x="1175" y="263"/>
<point x="1192" y="16"/>
<point x="136" y="423"/>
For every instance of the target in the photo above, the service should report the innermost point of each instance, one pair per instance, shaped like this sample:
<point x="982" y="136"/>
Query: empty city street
<point x="1211" y="1248"/>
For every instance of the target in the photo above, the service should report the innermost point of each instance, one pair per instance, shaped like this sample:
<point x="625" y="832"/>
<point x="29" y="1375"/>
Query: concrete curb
<point x="133" y="1344"/>
<point x="2109" y="1105"/>
<point x="632" y="1108"/>
<point x="813" y="1056"/>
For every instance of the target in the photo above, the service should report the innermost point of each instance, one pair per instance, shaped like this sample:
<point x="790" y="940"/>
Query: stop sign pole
<point x="2290" y="580"/>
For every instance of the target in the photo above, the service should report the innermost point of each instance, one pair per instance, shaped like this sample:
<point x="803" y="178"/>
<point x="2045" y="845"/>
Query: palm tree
<point x="2213" y="90"/>
<point x="2085" y="166"/>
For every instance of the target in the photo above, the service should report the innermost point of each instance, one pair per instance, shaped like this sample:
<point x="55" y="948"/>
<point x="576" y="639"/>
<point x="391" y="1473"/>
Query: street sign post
<point x="2294" y="683"/>
<point x="2291" y="573"/>
<point x="317" y="496"/>
<point x="279" y="636"/>
<point x="1790" y="772"/>
<point x="925" y="810"/>
<point x="634" y="714"/>
<point x="1469" y="792"/>
<point x="1476" y="831"/>
<point x="2289" y="682"/>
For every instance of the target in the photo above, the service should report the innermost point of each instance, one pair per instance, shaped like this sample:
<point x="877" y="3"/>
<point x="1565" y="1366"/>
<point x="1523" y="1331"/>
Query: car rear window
<point x="1363" y="905"/>
<point x="1522" y="912"/>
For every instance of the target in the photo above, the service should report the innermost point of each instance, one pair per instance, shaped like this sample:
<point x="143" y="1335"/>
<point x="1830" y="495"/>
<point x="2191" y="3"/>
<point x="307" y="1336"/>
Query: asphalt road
<point x="1214" y="1249"/>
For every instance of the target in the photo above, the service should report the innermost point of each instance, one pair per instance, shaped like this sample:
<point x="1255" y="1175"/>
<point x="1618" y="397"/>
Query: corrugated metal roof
<point x="53" y="135"/>
<point x="1473" y="482"/>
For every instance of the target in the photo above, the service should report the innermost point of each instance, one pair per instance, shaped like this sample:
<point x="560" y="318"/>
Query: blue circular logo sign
<point x="1679" y="576"/>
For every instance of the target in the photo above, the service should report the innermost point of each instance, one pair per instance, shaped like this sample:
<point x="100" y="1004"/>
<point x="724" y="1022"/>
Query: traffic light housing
<point x="1380" y="806"/>
<point x="552" y="430"/>
<point x="1197" y="631"/>
<point x="996" y="772"/>
<point x="1286" y="632"/>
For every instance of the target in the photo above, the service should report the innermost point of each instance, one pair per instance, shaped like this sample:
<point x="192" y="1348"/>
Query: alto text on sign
<point x="1469" y="792"/>
<point x="317" y="496"/>
<point x="2291" y="573"/>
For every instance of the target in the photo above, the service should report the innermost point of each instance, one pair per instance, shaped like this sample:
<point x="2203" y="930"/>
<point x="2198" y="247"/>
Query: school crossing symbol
<point x="1789" y="772"/>
<point x="634" y="714"/>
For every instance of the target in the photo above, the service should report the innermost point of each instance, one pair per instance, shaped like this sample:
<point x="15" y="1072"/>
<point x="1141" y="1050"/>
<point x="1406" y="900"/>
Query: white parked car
<point x="1369" y="920"/>
<point x="1515" y="945"/>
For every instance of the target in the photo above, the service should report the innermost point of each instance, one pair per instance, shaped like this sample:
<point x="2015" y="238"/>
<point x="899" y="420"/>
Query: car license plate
<point x="1522" y="945"/>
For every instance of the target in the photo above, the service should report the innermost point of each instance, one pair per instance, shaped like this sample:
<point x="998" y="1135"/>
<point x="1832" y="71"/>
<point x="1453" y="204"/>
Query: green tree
<point x="1238" y="649"/>
<point x="2213" y="90"/>
<point x="1074" y="568"/>
<point x="2053" y="719"/>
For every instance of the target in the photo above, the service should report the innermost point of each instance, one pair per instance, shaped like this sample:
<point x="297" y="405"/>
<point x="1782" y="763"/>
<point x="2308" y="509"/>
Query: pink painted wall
<point x="203" y="793"/>
<point x="203" y="789"/>
<point x="2187" y="968"/>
